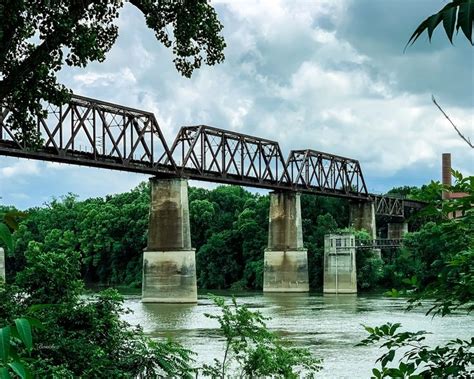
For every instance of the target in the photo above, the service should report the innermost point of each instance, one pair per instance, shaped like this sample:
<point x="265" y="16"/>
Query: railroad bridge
<point x="95" y="133"/>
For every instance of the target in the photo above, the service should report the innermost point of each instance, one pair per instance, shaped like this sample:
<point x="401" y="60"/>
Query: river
<point x="329" y="326"/>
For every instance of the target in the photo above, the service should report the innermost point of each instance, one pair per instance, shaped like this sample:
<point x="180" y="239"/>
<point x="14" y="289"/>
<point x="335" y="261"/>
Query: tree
<point x="441" y="257"/>
<point x="37" y="37"/>
<point x="254" y="350"/>
<point x="457" y="14"/>
<point x="81" y="336"/>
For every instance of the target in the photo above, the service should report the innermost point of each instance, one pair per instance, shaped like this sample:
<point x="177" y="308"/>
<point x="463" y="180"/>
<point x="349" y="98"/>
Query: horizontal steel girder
<point x="95" y="133"/>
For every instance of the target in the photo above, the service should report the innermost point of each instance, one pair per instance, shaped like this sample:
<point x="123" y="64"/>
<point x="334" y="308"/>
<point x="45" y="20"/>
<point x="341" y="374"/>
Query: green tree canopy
<point x="38" y="36"/>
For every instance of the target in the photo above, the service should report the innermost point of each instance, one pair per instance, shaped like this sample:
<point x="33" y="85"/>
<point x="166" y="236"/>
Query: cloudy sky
<point x="324" y="74"/>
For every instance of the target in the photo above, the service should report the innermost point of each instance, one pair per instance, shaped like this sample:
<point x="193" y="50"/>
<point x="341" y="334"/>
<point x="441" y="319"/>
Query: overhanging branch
<point x="466" y="139"/>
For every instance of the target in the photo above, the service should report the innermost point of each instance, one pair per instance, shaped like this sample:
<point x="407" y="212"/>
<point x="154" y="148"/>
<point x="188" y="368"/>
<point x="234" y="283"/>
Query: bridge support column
<point x="169" y="264"/>
<point x="362" y="216"/>
<point x="340" y="275"/>
<point x="285" y="259"/>
<point x="2" y="265"/>
<point x="396" y="230"/>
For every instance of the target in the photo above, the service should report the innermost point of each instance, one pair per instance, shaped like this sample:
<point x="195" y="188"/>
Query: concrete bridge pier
<point x="340" y="275"/>
<point x="169" y="263"/>
<point x="362" y="217"/>
<point x="285" y="259"/>
<point x="2" y="265"/>
<point x="396" y="230"/>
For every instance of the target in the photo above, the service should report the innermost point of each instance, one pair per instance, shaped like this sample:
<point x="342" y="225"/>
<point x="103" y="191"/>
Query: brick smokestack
<point x="446" y="172"/>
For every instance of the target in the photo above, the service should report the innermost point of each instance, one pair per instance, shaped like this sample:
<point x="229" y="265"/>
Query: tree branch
<point x="41" y="52"/>
<point x="466" y="139"/>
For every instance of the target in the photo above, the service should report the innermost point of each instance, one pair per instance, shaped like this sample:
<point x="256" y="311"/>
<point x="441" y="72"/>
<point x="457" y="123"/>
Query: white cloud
<point x="19" y="168"/>
<point x="295" y="73"/>
<point x="125" y="76"/>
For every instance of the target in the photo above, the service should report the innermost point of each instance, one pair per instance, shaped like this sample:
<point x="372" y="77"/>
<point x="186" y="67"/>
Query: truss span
<point x="206" y="153"/>
<point x="330" y="174"/>
<point x="95" y="133"/>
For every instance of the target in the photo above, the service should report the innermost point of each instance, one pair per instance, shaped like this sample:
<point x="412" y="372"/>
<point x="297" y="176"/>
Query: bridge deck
<point x="95" y="133"/>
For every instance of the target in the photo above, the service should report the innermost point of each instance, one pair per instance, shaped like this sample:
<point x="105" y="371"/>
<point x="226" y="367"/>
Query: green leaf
<point x="6" y="236"/>
<point x="449" y="20"/>
<point x="433" y="22"/>
<point x="20" y="369"/>
<point x="393" y="328"/>
<point x="466" y="18"/>
<point x="4" y="343"/>
<point x="418" y="32"/>
<point x="35" y="323"/>
<point x="4" y="374"/>
<point x="388" y="358"/>
<point x="369" y="329"/>
<point x="24" y="330"/>
<point x="11" y="218"/>
<point x="376" y="373"/>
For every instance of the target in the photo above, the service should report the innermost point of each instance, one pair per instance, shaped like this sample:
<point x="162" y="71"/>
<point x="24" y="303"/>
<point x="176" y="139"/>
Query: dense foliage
<point x="229" y="228"/>
<point x="418" y="360"/>
<point x="440" y="260"/>
<point x="38" y="37"/>
<point x="437" y="261"/>
<point x="251" y="350"/>
<point x="79" y="336"/>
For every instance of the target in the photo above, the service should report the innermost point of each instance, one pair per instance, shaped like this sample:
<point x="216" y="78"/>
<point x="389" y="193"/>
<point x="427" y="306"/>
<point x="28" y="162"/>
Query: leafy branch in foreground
<point x="251" y="348"/>
<point x="441" y="254"/>
<point x="457" y="14"/>
<point x="455" y="359"/>
<point x="14" y="340"/>
<point x="9" y="223"/>
<point x="453" y="285"/>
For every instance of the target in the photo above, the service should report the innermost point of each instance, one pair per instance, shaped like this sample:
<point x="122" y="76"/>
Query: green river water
<point x="329" y="326"/>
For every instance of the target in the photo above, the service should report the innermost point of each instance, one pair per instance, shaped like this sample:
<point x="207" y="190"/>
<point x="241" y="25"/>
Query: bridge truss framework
<point x="95" y="133"/>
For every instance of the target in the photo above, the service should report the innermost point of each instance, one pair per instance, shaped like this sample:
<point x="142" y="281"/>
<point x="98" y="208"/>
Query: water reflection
<point x="166" y="319"/>
<point x="170" y="316"/>
<point x="346" y="303"/>
<point x="285" y="302"/>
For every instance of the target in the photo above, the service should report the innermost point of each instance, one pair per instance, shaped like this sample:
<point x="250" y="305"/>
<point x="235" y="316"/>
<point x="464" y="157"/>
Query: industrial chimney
<point x="446" y="173"/>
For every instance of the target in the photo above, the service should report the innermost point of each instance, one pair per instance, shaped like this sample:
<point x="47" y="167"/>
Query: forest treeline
<point x="229" y="229"/>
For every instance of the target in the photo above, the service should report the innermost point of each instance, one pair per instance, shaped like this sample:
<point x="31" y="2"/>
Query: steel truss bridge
<point x="95" y="133"/>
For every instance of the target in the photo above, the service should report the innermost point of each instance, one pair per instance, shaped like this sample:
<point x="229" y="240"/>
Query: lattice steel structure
<point x="94" y="133"/>
<point x="206" y="153"/>
<point x="389" y="206"/>
<point x="326" y="173"/>
<point x="380" y="243"/>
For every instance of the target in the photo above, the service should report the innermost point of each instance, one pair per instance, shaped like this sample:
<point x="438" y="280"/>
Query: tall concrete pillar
<point x="2" y="265"/>
<point x="340" y="275"/>
<point x="362" y="216"/>
<point x="169" y="263"/>
<point x="396" y="230"/>
<point x="285" y="259"/>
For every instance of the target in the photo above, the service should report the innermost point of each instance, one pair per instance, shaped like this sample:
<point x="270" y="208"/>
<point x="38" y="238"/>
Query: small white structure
<point x="340" y="275"/>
